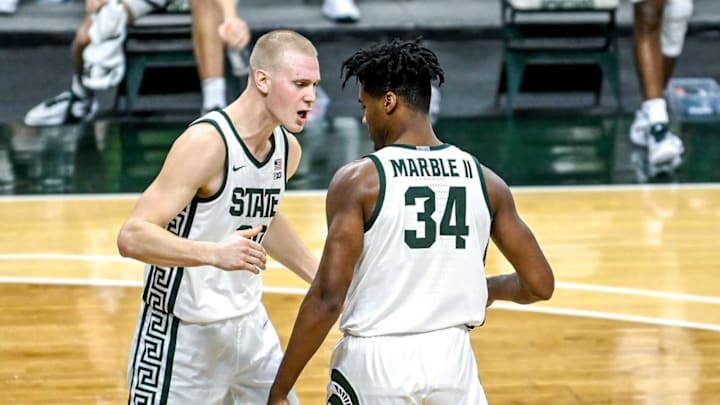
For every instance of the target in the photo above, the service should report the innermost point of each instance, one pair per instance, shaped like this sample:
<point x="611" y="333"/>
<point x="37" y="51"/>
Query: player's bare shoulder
<point x="360" y="173"/>
<point x="201" y="138"/>
<point x="356" y="183"/>
<point x="498" y="191"/>
<point x="197" y="157"/>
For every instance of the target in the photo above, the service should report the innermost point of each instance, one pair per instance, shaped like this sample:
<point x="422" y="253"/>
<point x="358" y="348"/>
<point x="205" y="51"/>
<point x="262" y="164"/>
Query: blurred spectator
<point x="99" y="60"/>
<point x="660" y="27"/>
<point x="341" y="10"/>
<point x="216" y="26"/>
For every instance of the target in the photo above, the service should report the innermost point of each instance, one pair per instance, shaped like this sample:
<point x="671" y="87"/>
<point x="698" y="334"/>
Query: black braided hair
<point x="403" y="67"/>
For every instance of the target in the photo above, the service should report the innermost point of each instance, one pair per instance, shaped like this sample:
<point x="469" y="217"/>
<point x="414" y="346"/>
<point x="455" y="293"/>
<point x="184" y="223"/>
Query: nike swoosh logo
<point x="236" y="168"/>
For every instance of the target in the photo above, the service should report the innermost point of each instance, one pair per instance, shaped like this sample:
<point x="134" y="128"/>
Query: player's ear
<point x="262" y="80"/>
<point x="390" y="101"/>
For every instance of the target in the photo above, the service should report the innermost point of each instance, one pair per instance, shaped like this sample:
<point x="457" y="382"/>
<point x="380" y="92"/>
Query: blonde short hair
<point x="270" y="49"/>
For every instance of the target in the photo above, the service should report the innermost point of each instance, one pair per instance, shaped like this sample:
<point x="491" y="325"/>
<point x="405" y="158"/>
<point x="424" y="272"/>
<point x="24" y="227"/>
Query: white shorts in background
<point x="434" y="368"/>
<point x="180" y="363"/>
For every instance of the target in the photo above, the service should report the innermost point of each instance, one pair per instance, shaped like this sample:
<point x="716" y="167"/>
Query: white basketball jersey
<point x="249" y="196"/>
<point x="422" y="266"/>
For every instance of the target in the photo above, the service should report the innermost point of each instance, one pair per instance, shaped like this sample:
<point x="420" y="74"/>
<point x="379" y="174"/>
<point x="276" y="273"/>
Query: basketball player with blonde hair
<point x="204" y="227"/>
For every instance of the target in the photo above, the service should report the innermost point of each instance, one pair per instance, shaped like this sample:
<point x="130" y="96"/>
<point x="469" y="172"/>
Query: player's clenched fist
<point x="239" y="252"/>
<point x="235" y="33"/>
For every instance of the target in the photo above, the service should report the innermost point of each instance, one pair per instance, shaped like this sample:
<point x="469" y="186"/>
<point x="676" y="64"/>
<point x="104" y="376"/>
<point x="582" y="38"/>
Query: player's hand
<point x="239" y="252"/>
<point x="234" y="33"/>
<point x="92" y="6"/>
<point x="283" y="401"/>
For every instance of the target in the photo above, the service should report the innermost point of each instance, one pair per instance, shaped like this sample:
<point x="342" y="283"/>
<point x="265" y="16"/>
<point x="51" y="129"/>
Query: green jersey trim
<point x="416" y="147"/>
<point x="489" y="207"/>
<point x="135" y="351"/>
<point x="287" y="151"/>
<point x="250" y="156"/>
<point x="162" y="284"/>
<point x="153" y="351"/>
<point x="381" y="192"/>
<point x="170" y="360"/>
<point x="227" y="159"/>
<point x="484" y="187"/>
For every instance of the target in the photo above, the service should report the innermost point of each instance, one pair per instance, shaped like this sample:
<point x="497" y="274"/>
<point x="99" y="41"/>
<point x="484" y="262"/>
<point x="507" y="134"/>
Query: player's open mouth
<point x="303" y="114"/>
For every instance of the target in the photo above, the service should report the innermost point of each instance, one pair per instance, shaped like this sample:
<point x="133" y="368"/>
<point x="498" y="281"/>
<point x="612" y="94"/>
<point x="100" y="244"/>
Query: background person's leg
<point x="209" y="53"/>
<point x="648" y="16"/>
<point x="651" y="125"/>
<point x="673" y="28"/>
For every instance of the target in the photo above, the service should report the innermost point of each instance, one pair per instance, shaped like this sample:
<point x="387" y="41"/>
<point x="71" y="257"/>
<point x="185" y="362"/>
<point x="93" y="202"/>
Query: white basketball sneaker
<point x="639" y="128"/>
<point x="645" y="171"/>
<point x="104" y="58"/>
<point x="65" y="108"/>
<point x="664" y="147"/>
<point x="341" y="10"/>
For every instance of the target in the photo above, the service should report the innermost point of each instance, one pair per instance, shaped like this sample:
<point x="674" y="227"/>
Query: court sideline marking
<point x="118" y="259"/>
<point x="498" y="305"/>
<point x="301" y="291"/>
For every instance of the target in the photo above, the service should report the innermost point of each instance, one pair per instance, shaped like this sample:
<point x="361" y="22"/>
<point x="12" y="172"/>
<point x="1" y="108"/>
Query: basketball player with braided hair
<point x="408" y="230"/>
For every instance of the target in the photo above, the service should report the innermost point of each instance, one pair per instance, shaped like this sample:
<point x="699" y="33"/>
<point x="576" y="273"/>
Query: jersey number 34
<point x="453" y="221"/>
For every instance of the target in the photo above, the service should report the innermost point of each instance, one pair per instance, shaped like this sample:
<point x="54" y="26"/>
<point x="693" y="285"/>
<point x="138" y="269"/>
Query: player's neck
<point x="417" y="131"/>
<point x="252" y="121"/>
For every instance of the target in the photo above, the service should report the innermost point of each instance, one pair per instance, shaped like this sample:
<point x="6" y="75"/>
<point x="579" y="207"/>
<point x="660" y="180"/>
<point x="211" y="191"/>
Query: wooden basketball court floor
<point x="635" y="318"/>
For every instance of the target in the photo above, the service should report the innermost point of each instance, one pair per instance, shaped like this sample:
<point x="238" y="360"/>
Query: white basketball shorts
<point x="434" y="368"/>
<point x="180" y="363"/>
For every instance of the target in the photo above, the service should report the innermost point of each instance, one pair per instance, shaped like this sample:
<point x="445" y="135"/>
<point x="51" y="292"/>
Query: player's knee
<point x="648" y="17"/>
<point x="674" y="25"/>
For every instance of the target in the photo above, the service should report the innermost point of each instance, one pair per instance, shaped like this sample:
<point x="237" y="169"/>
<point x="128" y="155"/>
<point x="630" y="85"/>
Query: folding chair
<point x="557" y="32"/>
<point x="160" y="40"/>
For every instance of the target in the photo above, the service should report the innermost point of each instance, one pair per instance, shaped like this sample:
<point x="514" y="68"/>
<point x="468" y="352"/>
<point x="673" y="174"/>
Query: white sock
<point x="78" y="89"/>
<point x="213" y="92"/>
<point x="656" y="110"/>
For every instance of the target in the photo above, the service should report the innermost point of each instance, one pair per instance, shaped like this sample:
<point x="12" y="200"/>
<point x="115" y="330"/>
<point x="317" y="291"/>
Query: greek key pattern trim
<point x="162" y="283"/>
<point x="152" y="358"/>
